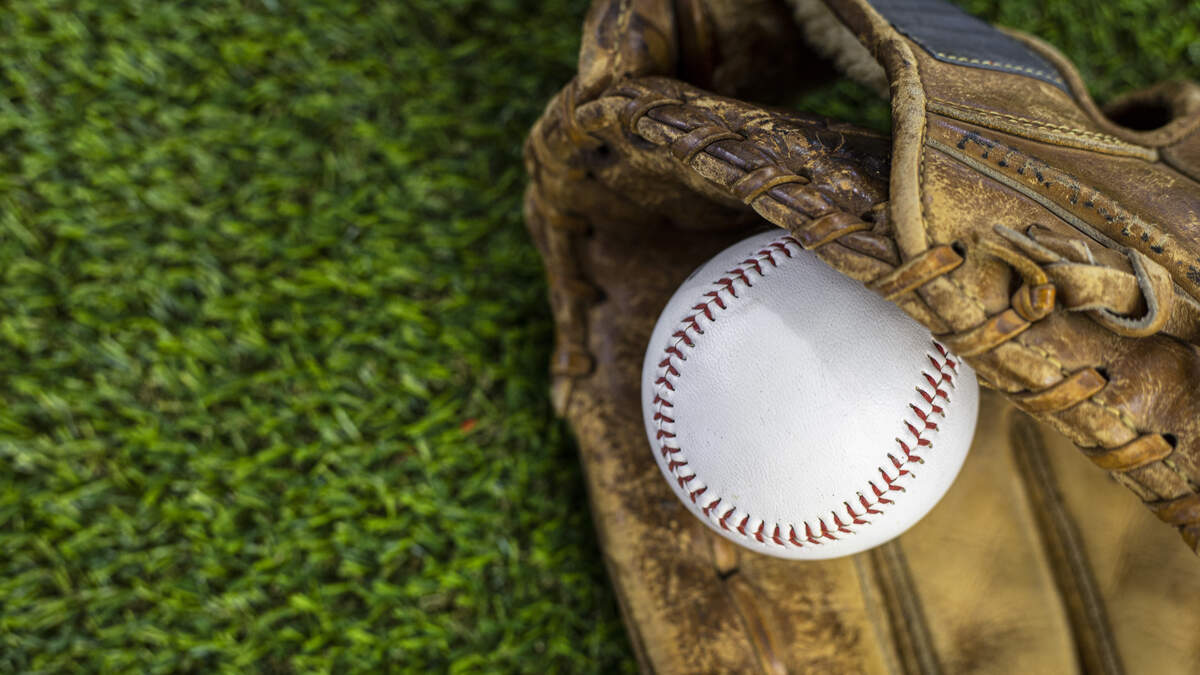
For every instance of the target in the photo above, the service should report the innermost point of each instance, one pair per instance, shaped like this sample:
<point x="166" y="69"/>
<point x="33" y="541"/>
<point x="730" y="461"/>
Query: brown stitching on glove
<point x="1121" y="416"/>
<point x="999" y="64"/>
<point x="1054" y="189"/>
<point x="1040" y="131"/>
<point x="697" y="140"/>
<point x="993" y="332"/>
<point x="824" y="223"/>
<point x="802" y="200"/>
<point x="1180" y="511"/>
<point x="1135" y="454"/>
<point x="1164" y="484"/>
<point x="805" y="211"/>
<point x="827" y="228"/>
<point x="1192" y="485"/>
<point x="755" y="183"/>
<point x="1074" y="131"/>
<point x="918" y="271"/>
<point x="638" y="108"/>
<point x="866" y="243"/>
<point x="1067" y="393"/>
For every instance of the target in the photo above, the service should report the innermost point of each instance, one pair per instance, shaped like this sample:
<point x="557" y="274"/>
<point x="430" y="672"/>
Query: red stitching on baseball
<point x="908" y="452"/>
<point x="841" y="527"/>
<point x="740" y="273"/>
<point x="728" y="513"/>
<point x="855" y="519"/>
<point x="879" y="493"/>
<point x="715" y="297"/>
<point x="825" y="530"/>
<point x="944" y="370"/>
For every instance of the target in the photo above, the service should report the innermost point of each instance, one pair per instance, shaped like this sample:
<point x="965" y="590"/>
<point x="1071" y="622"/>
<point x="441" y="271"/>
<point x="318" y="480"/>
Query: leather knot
<point x="1035" y="298"/>
<point x="1034" y="302"/>
<point x="1107" y="284"/>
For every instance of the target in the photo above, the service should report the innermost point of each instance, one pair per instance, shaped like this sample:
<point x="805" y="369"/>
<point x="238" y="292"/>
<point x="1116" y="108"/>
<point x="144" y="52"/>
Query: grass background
<point x="273" y="339"/>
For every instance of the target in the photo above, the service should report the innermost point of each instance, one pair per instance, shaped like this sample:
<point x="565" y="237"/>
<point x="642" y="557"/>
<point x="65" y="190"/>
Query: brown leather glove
<point x="1010" y="217"/>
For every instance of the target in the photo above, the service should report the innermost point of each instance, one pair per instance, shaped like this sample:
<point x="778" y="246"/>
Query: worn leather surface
<point x="1040" y="189"/>
<point x="1036" y="561"/>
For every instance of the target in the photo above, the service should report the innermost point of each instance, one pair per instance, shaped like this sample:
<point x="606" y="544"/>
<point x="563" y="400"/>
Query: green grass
<point x="273" y="338"/>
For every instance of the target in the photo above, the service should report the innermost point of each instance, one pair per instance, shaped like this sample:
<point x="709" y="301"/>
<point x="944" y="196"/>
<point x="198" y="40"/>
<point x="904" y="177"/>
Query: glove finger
<point x="704" y="42"/>
<point x="824" y="181"/>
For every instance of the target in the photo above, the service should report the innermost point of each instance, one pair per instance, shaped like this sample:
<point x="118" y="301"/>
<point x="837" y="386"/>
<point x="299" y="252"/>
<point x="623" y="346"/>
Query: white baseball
<point x="795" y="411"/>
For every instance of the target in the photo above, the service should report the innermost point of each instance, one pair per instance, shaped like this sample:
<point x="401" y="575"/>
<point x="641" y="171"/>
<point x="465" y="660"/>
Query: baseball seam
<point x="932" y="399"/>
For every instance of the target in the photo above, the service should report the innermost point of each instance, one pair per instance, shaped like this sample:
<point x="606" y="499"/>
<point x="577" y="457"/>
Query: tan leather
<point x="993" y="159"/>
<point x="1036" y="561"/>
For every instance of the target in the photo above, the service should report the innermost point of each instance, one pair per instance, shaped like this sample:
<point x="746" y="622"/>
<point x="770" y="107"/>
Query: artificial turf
<point x="273" y="338"/>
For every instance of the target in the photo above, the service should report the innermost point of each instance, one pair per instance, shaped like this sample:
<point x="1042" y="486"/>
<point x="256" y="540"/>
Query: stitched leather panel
<point x="951" y="35"/>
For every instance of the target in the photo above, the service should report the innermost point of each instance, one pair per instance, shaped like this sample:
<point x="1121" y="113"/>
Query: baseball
<point x="795" y="411"/>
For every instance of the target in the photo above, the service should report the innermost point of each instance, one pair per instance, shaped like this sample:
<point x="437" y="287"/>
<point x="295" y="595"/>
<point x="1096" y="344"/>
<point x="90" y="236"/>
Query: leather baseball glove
<point x="1053" y="246"/>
